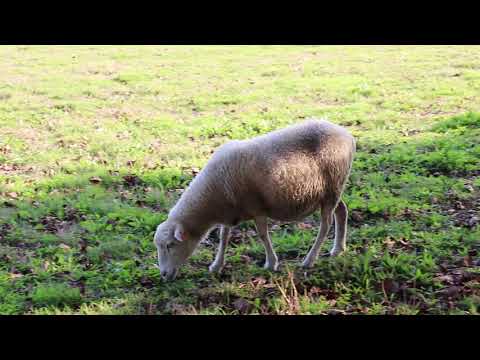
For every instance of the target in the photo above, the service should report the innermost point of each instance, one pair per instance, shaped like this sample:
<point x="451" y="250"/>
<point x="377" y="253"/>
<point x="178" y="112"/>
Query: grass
<point x="97" y="142"/>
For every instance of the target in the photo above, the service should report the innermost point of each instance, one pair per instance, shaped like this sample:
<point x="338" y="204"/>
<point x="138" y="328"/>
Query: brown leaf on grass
<point x="195" y="171"/>
<point x="12" y="195"/>
<point x="332" y="302"/>
<point x="315" y="290"/>
<point x="83" y="246"/>
<point x="468" y="261"/>
<point x="141" y="203"/>
<point x="236" y="235"/>
<point x="448" y="279"/>
<point x="146" y="282"/>
<point x="7" y="167"/>
<point x="386" y="215"/>
<point x="357" y="216"/>
<point x="131" y="180"/>
<point x="151" y="165"/>
<point x="258" y="281"/>
<point x="50" y="223"/>
<point x="459" y="205"/>
<point x="408" y="213"/>
<point x="304" y="226"/>
<point x="155" y="145"/>
<point x="473" y="252"/>
<point x="5" y="149"/>
<point x="95" y="180"/>
<point x="389" y="242"/>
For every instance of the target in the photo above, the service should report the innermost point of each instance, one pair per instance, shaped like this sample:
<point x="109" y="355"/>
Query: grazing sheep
<point x="284" y="175"/>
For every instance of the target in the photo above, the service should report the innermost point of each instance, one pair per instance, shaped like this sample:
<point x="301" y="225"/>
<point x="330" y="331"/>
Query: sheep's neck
<point x="198" y="209"/>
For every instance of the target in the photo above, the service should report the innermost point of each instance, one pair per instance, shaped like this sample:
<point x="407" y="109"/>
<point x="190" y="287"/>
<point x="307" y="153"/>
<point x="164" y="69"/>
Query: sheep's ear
<point x="180" y="233"/>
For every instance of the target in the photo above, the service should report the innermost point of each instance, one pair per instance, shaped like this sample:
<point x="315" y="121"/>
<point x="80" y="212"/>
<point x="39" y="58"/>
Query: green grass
<point x="96" y="143"/>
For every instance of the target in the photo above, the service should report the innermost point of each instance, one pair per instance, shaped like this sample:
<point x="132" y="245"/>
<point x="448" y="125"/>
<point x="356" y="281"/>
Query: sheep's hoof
<point x="215" y="268"/>
<point x="307" y="264"/>
<point x="271" y="267"/>
<point x="336" y="252"/>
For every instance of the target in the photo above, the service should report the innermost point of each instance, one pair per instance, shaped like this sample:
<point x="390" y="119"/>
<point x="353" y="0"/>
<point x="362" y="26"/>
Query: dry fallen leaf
<point x="131" y="180"/>
<point x="195" y="171"/>
<point x="444" y="278"/>
<point x="259" y="281"/>
<point x="389" y="242"/>
<point x="304" y="226"/>
<point x="315" y="290"/>
<point x="357" y="216"/>
<point x="468" y="261"/>
<point x="13" y="195"/>
<point x="95" y="180"/>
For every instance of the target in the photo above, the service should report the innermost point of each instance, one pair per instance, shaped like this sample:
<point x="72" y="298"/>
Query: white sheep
<point x="284" y="175"/>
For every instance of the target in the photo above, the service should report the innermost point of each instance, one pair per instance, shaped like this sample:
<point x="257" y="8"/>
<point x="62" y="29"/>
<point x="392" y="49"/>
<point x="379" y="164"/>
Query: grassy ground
<point x="96" y="144"/>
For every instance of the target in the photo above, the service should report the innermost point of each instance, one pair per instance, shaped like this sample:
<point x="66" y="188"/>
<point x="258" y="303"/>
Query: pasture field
<point x="97" y="143"/>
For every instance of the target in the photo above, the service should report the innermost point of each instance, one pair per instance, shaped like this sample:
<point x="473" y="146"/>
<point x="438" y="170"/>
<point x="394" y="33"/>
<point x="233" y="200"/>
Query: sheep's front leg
<point x="271" y="262"/>
<point x="219" y="261"/>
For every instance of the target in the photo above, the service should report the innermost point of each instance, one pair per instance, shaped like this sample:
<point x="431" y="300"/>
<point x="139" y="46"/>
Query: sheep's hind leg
<point x="271" y="262"/>
<point x="219" y="261"/>
<point x="340" y="243"/>
<point x="326" y="223"/>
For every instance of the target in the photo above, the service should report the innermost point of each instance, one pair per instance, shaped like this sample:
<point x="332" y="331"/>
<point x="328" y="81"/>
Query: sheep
<point x="283" y="175"/>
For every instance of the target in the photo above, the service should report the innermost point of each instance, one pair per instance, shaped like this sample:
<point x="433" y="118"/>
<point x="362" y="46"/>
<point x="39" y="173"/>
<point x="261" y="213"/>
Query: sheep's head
<point x="174" y="246"/>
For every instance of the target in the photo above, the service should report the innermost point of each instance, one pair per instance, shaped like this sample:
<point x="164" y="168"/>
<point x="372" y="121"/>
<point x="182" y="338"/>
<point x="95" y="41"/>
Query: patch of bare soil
<point x="462" y="212"/>
<point x="460" y="280"/>
<point x="4" y="230"/>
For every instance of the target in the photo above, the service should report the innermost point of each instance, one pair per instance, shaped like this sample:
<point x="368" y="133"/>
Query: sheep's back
<point x="298" y="168"/>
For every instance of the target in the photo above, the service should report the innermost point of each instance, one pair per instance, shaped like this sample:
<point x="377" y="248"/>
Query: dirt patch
<point x="132" y="180"/>
<point x="54" y="225"/>
<point x="13" y="169"/>
<point x="462" y="212"/>
<point x="459" y="282"/>
<point x="4" y="230"/>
